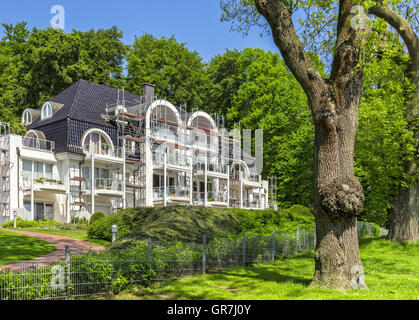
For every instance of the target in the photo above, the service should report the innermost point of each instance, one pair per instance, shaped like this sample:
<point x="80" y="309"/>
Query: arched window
<point x="27" y="117"/>
<point x="100" y="143"/>
<point x="31" y="140"/>
<point x="46" y="111"/>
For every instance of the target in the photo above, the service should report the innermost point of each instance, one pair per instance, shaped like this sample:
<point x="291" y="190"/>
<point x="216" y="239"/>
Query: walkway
<point x="76" y="247"/>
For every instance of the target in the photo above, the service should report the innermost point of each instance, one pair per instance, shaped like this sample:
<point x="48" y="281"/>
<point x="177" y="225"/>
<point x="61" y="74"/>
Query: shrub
<point x="20" y="223"/>
<point x="300" y="210"/>
<point x="96" y="217"/>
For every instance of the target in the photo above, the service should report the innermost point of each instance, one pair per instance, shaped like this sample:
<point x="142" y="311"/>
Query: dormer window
<point x="27" y="117"/>
<point x="46" y="111"/>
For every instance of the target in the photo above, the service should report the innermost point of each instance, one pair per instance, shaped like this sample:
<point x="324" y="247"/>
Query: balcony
<point x="104" y="153"/>
<point x="213" y="198"/>
<point x="173" y="160"/>
<point x="213" y="169"/>
<point x="37" y="144"/>
<point x="4" y="142"/>
<point x="255" y="204"/>
<point x="110" y="187"/>
<point x="179" y="193"/>
<point x="42" y="182"/>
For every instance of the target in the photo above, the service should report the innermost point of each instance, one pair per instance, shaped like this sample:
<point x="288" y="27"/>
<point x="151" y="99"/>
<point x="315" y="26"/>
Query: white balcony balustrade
<point x="38" y="144"/>
<point x="180" y="192"/>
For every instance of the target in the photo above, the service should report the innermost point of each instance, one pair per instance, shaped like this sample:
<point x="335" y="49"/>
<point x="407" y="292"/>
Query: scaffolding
<point x="129" y="118"/>
<point x="5" y="167"/>
<point x="77" y="193"/>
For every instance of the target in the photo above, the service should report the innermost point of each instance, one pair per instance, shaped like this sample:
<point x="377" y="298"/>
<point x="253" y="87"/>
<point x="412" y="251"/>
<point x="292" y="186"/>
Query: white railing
<point x="40" y="179"/>
<point x="173" y="159"/>
<point x="38" y="144"/>
<point x="104" y="150"/>
<point x="183" y="192"/>
<point x="105" y="184"/>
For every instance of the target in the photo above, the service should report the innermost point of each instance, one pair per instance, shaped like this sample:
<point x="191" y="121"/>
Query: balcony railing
<point x="173" y="159"/>
<point x="105" y="184"/>
<point x="104" y="150"/>
<point x="255" y="204"/>
<point x="172" y="192"/>
<point x="40" y="179"/>
<point x="253" y="178"/>
<point x="211" y="196"/>
<point x="212" y="167"/>
<point x="37" y="144"/>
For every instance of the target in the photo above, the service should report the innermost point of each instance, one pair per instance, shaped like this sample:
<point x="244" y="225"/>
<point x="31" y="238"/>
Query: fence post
<point x="204" y="253"/>
<point x="273" y="245"/>
<point x="244" y="249"/>
<point x="149" y="251"/>
<point x="297" y="241"/>
<point x="114" y="232"/>
<point x="67" y="270"/>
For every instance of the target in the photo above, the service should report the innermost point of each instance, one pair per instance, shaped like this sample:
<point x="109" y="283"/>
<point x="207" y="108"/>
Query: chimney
<point x="148" y="92"/>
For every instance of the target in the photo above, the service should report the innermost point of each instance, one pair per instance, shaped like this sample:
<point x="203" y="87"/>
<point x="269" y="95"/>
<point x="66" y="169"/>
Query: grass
<point x="18" y="247"/>
<point x="74" y="234"/>
<point x="391" y="273"/>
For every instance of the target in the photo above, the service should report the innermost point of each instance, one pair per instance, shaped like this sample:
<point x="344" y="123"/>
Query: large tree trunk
<point x="403" y="219"/>
<point x="334" y="103"/>
<point x="338" y="193"/>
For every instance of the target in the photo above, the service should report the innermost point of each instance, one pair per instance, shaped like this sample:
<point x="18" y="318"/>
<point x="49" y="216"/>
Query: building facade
<point x="94" y="148"/>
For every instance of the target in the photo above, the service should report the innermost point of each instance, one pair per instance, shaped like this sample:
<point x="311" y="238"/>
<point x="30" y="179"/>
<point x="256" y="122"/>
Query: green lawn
<point x="391" y="272"/>
<point x="18" y="247"/>
<point x="75" y="234"/>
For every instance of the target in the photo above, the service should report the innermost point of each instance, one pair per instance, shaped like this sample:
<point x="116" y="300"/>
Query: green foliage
<point x="264" y="221"/>
<point x="96" y="217"/>
<point x="36" y="65"/>
<point x="384" y="141"/>
<point x="20" y="223"/>
<point x="176" y="71"/>
<point x="255" y="88"/>
<point x="189" y="224"/>
<point x="178" y="223"/>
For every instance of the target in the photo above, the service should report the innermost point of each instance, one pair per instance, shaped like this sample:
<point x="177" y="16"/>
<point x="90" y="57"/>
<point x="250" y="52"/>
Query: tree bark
<point x="334" y="103"/>
<point x="403" y="218"/>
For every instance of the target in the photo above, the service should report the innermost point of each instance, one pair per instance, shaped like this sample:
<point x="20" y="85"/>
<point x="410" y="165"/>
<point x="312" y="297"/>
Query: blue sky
<point x="195" y="22"/>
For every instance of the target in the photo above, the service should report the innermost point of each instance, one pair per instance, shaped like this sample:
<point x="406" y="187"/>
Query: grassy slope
<point x="17" y="247"/>
<point x="391" y="272"/>
<point x="75" y="234"/>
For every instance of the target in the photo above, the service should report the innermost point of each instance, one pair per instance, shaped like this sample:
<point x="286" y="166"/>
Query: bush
<point x="264" y="221"/>
<point x="20" y="223"/>
<point x="181" y="223"/>
<point x="96" y="217"/>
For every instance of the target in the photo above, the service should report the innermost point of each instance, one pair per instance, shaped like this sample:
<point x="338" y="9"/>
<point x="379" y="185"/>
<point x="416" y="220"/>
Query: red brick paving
<point x="76" y="247"/>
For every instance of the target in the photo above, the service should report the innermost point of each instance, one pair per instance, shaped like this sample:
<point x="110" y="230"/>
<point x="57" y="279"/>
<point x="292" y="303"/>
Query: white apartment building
<point x="94" y="148"/>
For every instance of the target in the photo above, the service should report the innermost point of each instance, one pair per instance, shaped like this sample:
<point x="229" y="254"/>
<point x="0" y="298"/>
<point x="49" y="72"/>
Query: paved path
<point x="76" y="247"/>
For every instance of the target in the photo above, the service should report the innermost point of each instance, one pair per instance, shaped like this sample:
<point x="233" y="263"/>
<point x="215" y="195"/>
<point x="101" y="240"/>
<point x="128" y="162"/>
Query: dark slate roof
<point x="84" y="101"/>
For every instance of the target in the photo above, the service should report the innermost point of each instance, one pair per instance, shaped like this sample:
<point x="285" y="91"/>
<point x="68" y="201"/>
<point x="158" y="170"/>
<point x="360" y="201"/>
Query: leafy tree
<point x="334" y="103"/>
<point x="176" y="71"/>
<point x="255" y="88"/>
<point x="37" y="65"/>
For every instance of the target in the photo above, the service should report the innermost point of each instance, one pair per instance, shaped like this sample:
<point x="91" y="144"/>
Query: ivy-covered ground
<point x="391" y="273"/>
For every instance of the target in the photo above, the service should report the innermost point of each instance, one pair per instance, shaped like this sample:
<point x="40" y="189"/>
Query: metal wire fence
<point x="86" y="272"/>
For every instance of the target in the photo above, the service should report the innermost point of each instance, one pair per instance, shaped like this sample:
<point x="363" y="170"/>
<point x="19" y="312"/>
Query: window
<point x="27" y="117"/>
<point x="100" y="143"/>
<point x="46" y="111"/>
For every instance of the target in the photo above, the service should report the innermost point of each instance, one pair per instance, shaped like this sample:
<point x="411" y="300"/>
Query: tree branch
<point x="405" y="31"/>
<point x="278" y="15"/>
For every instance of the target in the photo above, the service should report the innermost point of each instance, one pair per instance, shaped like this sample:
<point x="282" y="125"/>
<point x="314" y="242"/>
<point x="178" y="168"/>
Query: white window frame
<point x="27" y="117"/>
<point x="46" y="111"/>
